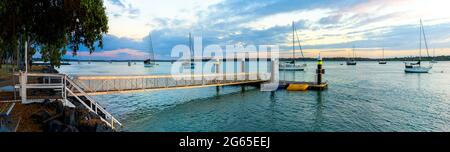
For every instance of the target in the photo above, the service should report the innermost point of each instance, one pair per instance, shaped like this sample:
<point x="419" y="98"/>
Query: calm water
<point x="365" y="97"/>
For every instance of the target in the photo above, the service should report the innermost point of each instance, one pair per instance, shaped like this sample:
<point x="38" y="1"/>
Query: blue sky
<point x="330" y="27"/>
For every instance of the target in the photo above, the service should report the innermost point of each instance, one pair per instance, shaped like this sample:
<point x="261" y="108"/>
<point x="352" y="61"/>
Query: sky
<point x="328" y="27"/>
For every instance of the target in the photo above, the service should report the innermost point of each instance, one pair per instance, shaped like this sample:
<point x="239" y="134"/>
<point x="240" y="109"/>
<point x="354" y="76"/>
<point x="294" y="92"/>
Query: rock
<point x="46" y="102"/>
<point x="70" y="128"/>
<point x="69" y="117"/>
<point x="40" y="116"/>
<point x="90" y="125"/>
<point x="56" y="105"/>
<point x="55" y="126"/>
<point x="103" y="128"/>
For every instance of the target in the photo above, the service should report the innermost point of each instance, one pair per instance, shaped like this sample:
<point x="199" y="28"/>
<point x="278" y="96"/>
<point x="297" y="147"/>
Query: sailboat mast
<point x="190" y="46"/>
<point x="353" y="51"/>
<point x="299" y="44"/>
<point x="293" y="42"/>
<point x="424" y="38"/>
<point x="151" y="55"/>
<point x="434" y="52"/>
<point x="420" y="41"/>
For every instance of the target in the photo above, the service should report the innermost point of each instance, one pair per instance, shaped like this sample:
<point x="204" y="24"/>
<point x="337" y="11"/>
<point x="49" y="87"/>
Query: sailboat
<point x="434" y="56"/>
<point x="416" y="67"/>
<point x="150" y="61"/>
<point x="190" y="63"/>
<point x="291" y="66"/>
<point x="382" y="61"/>
<point x="352" y="61"/>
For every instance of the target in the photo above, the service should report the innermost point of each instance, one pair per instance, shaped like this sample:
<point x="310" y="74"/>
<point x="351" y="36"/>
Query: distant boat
<point x="434" y="56"/>
<point x="416" y="67"/>
<point x="190" y="63"/>
<point x="150" y="61"/>
<point x="352" y="60"/>
<point x="382" y="61"/>
<point x="291" y="66"/>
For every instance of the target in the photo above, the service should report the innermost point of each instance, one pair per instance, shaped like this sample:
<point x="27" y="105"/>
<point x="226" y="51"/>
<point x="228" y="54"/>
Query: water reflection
<point x="318" y="114"/>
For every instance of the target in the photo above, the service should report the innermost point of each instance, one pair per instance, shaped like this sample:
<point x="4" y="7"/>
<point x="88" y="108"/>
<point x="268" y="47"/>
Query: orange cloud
<point x="117" y="54"/>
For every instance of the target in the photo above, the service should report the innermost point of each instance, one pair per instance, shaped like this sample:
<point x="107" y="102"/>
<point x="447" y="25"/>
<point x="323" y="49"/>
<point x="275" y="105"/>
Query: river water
<point x="365" y="97"/>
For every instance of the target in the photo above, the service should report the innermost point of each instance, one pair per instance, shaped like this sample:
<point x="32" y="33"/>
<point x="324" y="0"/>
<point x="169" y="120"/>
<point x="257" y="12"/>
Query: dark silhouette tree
<point x="51" y="27"/>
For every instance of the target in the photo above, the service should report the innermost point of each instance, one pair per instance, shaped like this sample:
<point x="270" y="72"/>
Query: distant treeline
<point x="437" y="58"/>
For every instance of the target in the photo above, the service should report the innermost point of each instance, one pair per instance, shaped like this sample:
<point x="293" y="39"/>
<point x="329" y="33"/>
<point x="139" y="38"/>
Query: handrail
<point x="107" y="114"/>
<point x="81" y="101"/>
<point x="157" y="76"/>
<point x="67" y="80"/>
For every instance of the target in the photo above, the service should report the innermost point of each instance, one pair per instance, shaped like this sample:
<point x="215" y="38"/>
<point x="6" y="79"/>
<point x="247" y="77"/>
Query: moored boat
<point x="382" y="61"/>
<point x="190" y="63"/>
<point x="352" y="60"/>
<point x="417" y="66"/>
<point x="291" y="65"/>
<point x="149" y="62"/>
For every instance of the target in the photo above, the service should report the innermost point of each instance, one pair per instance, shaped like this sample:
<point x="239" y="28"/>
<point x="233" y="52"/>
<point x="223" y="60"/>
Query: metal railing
<point x="97" y="84"/>
<point x="67" y="87"/>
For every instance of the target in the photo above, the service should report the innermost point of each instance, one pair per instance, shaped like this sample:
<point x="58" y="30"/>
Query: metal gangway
<point x="109" y="84"/>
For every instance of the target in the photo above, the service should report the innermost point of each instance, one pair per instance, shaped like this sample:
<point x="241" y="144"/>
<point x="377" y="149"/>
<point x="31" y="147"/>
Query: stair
<point x="84" y="99"/>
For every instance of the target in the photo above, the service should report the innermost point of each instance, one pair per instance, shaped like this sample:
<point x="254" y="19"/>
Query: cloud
<point x="120" y="54"/>
<point x="322" y="24"/>
<point x="123" y="9"/>
<point x="117" y="3"/>
<point x="333" y="19"/>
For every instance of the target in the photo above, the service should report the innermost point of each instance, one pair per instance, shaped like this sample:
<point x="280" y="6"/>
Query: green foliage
<point x="52" y="26"/>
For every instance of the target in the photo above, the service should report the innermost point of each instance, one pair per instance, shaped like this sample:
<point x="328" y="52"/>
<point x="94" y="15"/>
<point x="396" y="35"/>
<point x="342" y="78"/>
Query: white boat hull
<point x="418" y="70"/>
<point x="149" y="65"/>
<point x="351" y="62"/>
<point x="290" y="67"/>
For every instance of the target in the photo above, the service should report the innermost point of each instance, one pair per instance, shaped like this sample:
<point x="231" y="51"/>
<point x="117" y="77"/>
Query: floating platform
<point x="311" y="85"/>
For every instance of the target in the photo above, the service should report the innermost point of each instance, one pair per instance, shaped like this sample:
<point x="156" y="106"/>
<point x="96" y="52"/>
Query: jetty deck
<point x="97" y="85"/>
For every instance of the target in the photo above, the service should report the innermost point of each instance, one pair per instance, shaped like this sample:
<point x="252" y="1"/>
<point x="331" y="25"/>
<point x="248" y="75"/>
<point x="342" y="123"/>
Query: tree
<point x="51" y="27"/>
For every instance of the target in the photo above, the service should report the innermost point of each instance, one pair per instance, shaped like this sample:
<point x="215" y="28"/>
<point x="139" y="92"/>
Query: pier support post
<point x="23" y="87"/>
<point x="217" y="90"/>
<point x="24" y="77"/>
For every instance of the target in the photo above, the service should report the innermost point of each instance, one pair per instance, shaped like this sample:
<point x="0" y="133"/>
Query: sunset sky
<point x="328" y="26"/>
